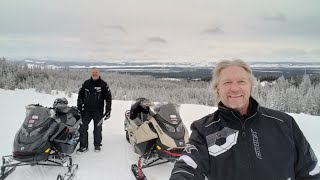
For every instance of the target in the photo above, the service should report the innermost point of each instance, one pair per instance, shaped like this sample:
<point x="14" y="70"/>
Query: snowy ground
<point x="114" y="161"/>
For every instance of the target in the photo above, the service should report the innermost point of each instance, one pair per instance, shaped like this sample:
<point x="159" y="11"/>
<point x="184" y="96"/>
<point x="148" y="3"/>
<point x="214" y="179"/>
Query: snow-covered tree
<point x="293" y="95"/>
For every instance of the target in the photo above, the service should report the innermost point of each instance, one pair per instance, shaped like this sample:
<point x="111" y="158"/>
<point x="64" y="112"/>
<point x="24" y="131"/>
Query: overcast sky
<point x="173" y="30"/>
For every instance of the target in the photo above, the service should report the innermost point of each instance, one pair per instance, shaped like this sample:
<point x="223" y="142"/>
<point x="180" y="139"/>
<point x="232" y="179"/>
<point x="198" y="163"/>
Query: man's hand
<point x="106" y="116"/>
<point x="81" y="111"/>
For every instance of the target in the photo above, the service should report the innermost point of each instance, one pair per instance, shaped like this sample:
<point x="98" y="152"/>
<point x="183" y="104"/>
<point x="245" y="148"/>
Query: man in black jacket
<point x="242" y="140"/>
<point x="94" y="102"/>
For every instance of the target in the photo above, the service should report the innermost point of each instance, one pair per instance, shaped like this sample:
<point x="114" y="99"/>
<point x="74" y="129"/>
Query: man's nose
<point x="234" y="87"/>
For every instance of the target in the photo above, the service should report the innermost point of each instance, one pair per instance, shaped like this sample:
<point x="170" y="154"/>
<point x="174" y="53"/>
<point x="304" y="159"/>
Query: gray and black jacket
<point x="92" y="96"/>
<point x="266" y="145"/>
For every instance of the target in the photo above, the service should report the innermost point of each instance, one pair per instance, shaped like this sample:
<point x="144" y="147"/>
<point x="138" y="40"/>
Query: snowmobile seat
<point x="141" y="119"/>
<point x="138" y="109"/>
<point x="144" y="117"/>
<point x="68" y="137"/>
<point x="137" y="121"/>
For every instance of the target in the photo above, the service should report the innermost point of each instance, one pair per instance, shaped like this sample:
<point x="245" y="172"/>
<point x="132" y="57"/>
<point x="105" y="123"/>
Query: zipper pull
<point x="243" y="131"/>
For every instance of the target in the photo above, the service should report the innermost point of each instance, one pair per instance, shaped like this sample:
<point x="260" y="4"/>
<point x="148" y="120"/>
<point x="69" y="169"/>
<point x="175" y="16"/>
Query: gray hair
<point x="93" y="67"/>
<point x="227" y="63"/>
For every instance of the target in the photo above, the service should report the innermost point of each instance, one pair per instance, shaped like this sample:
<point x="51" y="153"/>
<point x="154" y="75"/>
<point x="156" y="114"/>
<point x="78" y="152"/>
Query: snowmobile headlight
<point x="169" y="127"/>
<point x="180" y="128"/>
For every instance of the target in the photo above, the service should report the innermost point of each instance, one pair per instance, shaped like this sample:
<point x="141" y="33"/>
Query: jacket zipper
<point x="243" y="134"/>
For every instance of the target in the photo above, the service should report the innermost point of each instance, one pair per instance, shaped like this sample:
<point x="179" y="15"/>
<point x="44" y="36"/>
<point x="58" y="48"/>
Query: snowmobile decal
<point x="189" y="148"/>
<point x="173" y="119"/>
<point x="35" y="117"/>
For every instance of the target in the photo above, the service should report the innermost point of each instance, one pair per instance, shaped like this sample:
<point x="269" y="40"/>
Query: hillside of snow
<point x="116" y="157"/>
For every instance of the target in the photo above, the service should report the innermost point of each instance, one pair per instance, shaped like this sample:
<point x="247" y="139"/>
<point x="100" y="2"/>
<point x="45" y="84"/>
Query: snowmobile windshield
<point x="168" y="118"/>
<point x="36" y="117"/>
<point x="169" y="112"/>
<point x="60" y="105"/>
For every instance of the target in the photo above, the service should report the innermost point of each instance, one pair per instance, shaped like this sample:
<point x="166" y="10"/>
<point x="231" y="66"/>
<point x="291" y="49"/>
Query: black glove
<point x="81" y="112"/>
<point x="106" y="116"/>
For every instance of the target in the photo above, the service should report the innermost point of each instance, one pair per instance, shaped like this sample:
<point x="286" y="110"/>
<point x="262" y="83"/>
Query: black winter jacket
<point x="266" y="145"/>
<point x="92" y="96"/>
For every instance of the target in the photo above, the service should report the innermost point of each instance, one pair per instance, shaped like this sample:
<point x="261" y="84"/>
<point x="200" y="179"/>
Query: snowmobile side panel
<point x="144" y="133"/>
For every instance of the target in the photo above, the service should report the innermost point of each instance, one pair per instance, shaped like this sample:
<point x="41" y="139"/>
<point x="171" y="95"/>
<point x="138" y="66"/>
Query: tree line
<point x="289" y="95"/>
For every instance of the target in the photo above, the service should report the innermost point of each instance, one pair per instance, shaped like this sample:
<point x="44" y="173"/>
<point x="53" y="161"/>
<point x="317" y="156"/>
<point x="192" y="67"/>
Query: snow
<point x="114" y="161"/>
<point x="171" y="79"/>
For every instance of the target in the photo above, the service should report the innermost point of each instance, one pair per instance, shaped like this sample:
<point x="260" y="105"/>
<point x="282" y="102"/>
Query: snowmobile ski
<point x="154" y="163"/>
<point x="9" y="165"/>
<point x="137" y="172"/>
<point x="6" y="169"/>
<point x="150" y="159"/>
<point x="70" y="174"/>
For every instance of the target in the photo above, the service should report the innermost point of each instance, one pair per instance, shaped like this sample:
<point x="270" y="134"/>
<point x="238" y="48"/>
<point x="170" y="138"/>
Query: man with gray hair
<point x="94" y="102"/>
<point x="242" y="140"/>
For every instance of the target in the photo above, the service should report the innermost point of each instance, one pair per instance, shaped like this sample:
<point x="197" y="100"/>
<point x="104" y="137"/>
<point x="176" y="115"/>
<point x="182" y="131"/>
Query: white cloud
<point x="275" y="17"/>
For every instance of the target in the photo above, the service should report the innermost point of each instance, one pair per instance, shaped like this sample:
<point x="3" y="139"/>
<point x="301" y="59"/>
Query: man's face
<point x="95" y="73"/>
<point x="234" y="88"/>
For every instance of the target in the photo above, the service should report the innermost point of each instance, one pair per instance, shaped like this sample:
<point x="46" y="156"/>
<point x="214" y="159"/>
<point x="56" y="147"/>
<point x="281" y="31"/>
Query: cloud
<point x="315" y="51"/>
<point x="212" y="31"/>
<point x="117" y="28"/>
<point x="280" y="17"/>
<point x="158" y="40"/>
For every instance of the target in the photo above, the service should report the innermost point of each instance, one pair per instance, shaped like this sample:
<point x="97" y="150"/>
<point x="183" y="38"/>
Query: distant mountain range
<point x="200" y="70"/>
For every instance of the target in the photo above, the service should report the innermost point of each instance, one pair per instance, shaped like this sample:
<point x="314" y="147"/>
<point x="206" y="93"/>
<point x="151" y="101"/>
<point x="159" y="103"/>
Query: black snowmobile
<point x="156" y="132"/>
<point x="47" y="137"/>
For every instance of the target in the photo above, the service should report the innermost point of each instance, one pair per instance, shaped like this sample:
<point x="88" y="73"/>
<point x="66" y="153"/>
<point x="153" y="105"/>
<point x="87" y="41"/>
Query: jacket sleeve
<point x="194" y="163"/>
<point x="80" y="98"/>
<point x="108" y="98"/>
<point x="306" y="167"/>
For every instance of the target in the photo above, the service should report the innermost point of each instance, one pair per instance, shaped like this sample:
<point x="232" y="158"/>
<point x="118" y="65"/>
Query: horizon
<point x="195" y="71"/>
<point x="149" y="61"/>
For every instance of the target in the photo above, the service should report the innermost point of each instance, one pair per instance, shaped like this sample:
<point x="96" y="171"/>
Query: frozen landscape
<point x="114" y="161"/>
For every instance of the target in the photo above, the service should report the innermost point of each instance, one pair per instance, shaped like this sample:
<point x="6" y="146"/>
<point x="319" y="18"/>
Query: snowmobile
<point x="47" y="137"/>
<point x="156" y="133"/>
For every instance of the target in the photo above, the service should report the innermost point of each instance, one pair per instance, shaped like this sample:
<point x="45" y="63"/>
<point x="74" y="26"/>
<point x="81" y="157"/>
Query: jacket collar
<point x="95" y="81"/>
<point x="230" y="113"/>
